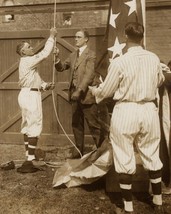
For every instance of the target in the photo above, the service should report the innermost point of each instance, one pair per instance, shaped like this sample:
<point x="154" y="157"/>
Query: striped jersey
<point x="132" y="77"/>
<point x="28" y="67"/>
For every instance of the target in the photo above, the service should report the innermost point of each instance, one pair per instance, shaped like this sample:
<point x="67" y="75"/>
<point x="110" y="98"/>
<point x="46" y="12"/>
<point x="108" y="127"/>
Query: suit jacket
<point x="85" y="66"/>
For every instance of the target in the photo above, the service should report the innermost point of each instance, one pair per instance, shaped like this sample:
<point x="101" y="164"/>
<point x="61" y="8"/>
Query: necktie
<point x="78" y="53"/>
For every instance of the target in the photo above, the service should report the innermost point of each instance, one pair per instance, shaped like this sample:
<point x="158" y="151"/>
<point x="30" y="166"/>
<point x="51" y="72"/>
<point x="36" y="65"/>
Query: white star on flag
<point x="132" y="5"/>
<point x="120" y="13"/>
<point x="113" y="17"/>
<point x="117" y="48"/>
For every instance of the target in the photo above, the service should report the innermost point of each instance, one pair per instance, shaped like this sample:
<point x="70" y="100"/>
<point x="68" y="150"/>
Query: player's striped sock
<point x="155" y="179"/>
<point x="31" y="148"/>
<point x="26" y="144"/>
<point x="125" y="182"/>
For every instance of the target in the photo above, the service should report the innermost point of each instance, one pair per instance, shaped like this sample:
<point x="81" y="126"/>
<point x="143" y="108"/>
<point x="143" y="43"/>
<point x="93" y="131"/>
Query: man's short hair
<point x="134" y="31"/>
<point x="19" y="47"/>
<point x="85" y="32"/>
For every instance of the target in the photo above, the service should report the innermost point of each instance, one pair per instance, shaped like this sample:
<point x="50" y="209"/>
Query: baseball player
<point x="133" y="80"/>
<point x="29" y="98"/>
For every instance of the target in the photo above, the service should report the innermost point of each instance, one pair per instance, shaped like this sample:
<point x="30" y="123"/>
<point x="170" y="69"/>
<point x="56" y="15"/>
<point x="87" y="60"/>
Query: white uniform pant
<point x="135" y="123"/>
<point x="31" y="109"/>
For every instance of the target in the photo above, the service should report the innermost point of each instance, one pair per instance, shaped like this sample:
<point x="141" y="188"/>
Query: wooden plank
<point x="6" y="35"/>
<point x="98" y="31"/>
<point x="158" y="4"/>
<point x="9" y="86"/>
<point x="63" y="32"/>
<point x="60" y="89"/>
<point x="65" y="44"/>
<point x="7" y="73"/>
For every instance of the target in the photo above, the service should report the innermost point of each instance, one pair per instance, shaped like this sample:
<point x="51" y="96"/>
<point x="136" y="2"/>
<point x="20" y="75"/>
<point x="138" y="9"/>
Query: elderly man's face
<point x="80" y="39"/>
<point x="27" y="50"/>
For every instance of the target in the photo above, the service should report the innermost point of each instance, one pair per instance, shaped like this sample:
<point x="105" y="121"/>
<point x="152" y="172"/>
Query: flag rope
<point x="53" y="94"/>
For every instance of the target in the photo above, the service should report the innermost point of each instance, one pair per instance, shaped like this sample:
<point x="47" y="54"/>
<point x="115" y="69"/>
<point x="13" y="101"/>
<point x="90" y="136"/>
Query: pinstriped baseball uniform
<point x="30" y="101"/>
<point x="133" y="80"/>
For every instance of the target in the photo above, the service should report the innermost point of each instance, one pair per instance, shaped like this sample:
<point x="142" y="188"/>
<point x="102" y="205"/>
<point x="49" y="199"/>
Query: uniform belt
<point x="141" y="102"/>
<point x="34" y="89"/>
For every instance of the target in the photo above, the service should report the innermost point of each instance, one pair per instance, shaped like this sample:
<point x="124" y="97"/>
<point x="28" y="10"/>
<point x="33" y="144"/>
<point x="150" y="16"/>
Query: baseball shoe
<point x="27" y="167"/>
<point x="8" y="166"/>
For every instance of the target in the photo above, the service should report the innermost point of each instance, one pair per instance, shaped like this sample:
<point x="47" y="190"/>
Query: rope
<point x="57" y="118"/>
<point x="53" y="94"/>
<point x="54" y="25"/>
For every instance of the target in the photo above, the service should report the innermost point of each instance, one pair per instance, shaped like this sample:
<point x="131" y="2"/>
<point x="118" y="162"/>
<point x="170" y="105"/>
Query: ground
<point x="34" y="194"/>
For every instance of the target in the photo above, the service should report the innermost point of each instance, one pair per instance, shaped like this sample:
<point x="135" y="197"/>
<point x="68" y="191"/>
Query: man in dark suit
<point x="81" y="64"/>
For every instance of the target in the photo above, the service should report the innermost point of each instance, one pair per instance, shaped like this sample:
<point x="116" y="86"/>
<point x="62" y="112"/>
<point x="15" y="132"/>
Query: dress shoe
<point x="8" y="166"/>
<point x="159" y="209"/>
<point x="27" y="167"/>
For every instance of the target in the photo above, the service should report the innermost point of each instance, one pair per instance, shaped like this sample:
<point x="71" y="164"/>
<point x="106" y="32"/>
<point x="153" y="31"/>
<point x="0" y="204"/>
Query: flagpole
<point x="143" y="3"/>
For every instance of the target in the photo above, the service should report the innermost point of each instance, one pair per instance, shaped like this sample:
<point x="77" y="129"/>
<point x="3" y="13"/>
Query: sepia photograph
<point x="85" y="113"/>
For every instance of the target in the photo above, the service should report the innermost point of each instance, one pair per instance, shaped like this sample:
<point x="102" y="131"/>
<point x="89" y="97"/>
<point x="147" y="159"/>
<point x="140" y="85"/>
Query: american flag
<point x="121" y="12"/>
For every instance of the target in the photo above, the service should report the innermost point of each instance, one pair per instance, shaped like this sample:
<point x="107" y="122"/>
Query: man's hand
<point x="92" y="89"/>
<point x="53" y="32"/>
<point x="49" y="86"/>
<point x="165" y="68"/>
<point x="56" y="51"/>
<point x="76" y="95"/>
